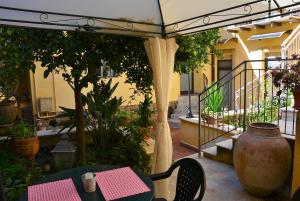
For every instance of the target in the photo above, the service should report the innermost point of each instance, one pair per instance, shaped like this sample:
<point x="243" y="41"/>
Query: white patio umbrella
<point x="160" y="20"/>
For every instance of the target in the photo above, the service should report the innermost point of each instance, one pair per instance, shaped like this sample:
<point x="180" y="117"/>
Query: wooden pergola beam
<point x="232" y="30"/>
<point x="245" y="28"/>
<point x="277" y="24"/>
<point x="258" y="26"/>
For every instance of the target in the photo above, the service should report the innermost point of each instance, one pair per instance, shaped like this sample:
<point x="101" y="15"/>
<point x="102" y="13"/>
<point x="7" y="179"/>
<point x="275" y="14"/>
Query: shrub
<point x="23" y="131"/>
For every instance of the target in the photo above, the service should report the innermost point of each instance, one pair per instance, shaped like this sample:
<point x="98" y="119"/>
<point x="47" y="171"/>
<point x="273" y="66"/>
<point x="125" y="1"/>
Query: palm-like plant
<point x="214" y="99"/>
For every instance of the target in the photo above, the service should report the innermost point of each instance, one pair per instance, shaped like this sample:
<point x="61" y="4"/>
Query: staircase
<point x="254" y="99"/>
<point x="182" y="109"/>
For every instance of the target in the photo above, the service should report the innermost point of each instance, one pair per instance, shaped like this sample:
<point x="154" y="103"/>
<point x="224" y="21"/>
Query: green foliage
<point x="18" y="173"/>
<point x="113" y="145"/>
<point x="122" y="117"/>
<point x="70" y="115"/>
<point x="214" y="100"/>
<point x="23" y="131"/>
<point x="17" y="53"/>
<point x="287" y="78"/>
<point x="194" y="50"/>
<point x="145" y="112"/>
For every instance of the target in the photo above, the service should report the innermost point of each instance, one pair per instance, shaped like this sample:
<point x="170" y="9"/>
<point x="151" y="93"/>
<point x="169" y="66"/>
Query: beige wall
<point x="62" y="95"/>
<point x="242" y="49"/>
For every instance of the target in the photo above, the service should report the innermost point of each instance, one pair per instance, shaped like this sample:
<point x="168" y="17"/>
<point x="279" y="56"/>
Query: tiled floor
<point x="179" y="151"/>
<point x="222" y="184"/>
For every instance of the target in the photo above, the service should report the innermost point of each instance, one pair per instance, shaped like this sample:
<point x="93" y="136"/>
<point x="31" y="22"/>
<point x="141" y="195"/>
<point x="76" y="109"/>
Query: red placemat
<point x="119" y="183"/>
<point x="63" y="190"/>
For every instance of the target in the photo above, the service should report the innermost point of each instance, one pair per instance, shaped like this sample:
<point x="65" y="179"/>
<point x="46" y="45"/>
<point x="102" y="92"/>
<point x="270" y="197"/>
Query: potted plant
<point x="8" y="106"/>
<point x="26" y="142"/>
<point x="289" y="79"/>
<point x="53" y="124"/>
<point x="213" y="104"/>
<point x="5" y="125"/>
<point x="122" y="118"/>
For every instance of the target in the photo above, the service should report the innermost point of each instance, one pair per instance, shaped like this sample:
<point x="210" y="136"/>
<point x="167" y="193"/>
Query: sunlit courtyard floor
<point x="222" y="184"/>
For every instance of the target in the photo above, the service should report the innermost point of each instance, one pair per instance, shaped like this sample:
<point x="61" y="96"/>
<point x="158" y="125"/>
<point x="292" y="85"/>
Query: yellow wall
<point x="241" y="49"/>
<point x="62" y="95"/>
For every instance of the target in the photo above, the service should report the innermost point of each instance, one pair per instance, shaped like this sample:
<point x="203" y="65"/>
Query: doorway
<point x="225" y="68"/>
<point x="184" y="83"/>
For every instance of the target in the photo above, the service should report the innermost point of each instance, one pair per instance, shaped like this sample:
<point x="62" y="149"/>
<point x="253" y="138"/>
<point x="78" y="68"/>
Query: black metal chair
<point x="296" y="195"/>
<point x="190" y="179"/>
<point x="2" y="198"/>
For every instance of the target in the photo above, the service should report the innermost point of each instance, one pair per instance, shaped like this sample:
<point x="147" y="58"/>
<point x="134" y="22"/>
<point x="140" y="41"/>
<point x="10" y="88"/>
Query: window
<point x="106" y="71"/>
<point x="266" y="36"/>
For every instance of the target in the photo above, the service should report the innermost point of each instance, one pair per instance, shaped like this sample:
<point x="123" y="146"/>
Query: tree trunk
<point x="81" y="141"/>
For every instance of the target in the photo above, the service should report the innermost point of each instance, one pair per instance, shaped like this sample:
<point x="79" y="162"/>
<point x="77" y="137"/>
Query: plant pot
<point x="210" y="120"/>
<point x="296" y="93"/>
<point x="9" y="110"/>
<point x="146" y="132"/>
<point x="28" y="147"/>
<point x="5" y="129"/>
<point x="262" y="159"/>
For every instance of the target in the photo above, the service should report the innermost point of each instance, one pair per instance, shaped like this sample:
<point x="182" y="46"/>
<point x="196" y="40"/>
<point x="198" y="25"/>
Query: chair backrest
<point x="190" y="179"/>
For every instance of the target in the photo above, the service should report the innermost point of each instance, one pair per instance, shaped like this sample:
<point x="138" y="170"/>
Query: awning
<point x="148" y="18"/>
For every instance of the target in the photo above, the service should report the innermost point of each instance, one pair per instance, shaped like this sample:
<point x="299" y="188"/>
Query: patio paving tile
<point x="179" y="151"/>
<point x="223" y="184"/>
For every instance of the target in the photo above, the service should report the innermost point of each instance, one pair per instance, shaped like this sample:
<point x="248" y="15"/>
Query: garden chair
<point x="190" y="179"/>
<point x="296" y="196"/>
<point x="1" y="189"/>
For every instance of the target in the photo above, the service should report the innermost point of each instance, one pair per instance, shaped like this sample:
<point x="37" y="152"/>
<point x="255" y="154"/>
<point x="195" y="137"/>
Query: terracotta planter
<point x="296" y="93"/>
<point x="210" y="120"/>
<point x="9" y="110"/>
<point x="262" y="159"/>
<point x="28" y="147"/>
<point x="5" y="130"/>
<point x="146" y="132"/>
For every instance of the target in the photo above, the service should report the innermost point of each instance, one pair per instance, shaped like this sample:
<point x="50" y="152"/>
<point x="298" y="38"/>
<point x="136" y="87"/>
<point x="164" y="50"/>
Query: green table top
<point x="75" y="174"/>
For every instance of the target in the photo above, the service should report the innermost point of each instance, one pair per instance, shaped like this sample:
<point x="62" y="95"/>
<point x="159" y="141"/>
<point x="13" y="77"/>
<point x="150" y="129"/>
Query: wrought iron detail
<point x="44" y="17"/>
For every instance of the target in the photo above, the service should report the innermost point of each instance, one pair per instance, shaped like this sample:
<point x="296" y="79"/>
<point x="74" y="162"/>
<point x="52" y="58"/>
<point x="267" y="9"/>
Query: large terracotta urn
<point x="9" y="110"/>
<point x="262" y="159"/>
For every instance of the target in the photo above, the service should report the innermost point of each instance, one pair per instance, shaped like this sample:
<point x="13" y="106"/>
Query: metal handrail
<point x="266" y="111"/>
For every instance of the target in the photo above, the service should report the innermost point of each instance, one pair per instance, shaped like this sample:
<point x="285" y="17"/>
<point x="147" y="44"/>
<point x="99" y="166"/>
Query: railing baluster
<point x="199" y="125"/>
<point x="236" y="87"/>
<point x="245" y="97"/>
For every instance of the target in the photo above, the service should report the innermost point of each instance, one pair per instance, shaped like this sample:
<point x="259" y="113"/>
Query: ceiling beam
<point x="232" y="30"/>
<point x="259" y="26"/>
<point x="245" y="28"/>
<point x="275" y="24"/>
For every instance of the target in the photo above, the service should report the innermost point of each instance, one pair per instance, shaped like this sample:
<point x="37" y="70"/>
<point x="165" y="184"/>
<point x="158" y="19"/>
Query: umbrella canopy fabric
<point x="147" y="18"/>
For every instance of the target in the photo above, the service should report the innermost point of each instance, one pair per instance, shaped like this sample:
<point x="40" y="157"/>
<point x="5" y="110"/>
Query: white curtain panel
<point x="161" y="54"/>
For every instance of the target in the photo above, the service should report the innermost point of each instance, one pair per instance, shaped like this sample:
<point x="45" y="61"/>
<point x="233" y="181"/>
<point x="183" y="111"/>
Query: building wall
<point x="62" y="95"/>
<point x="240" y="49"/>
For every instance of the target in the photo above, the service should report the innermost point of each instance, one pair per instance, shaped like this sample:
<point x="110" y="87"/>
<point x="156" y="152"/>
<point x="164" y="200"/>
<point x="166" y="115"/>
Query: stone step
<point x="234" y="138"/>
<point x="186" y="97"/>
<point x="174" y="123"/>
<point x="210" y="153"/>
<point x="177" y="116"/>
<point x="185" y="107"/>
<point x="226" y="144"/>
